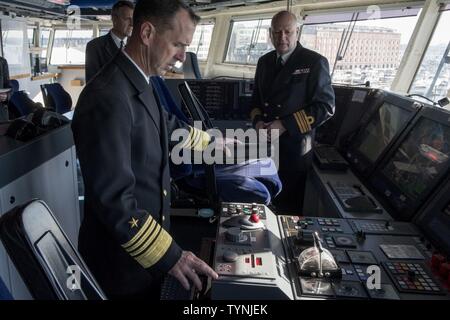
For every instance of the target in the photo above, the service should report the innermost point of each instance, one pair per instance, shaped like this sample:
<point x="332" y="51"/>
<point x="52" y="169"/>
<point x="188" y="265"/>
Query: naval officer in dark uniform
<point x="122" y="140"/>
<point x="101" y="50"/>
<point x="292" y="94"/>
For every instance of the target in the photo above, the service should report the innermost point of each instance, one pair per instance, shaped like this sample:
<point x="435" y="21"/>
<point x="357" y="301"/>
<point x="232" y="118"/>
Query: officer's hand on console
<point x="264" y="126"/>
<point x="187" y="268"/>
<point x="260" y="125"/>
<point x="275" y="130"/>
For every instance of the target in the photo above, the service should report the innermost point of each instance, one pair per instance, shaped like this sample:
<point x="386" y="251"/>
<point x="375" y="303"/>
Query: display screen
<point x="437" y="225"/>
<point x="381" y="129"/>
<point x="421" y="159"/>
<point x="224" y="99"/>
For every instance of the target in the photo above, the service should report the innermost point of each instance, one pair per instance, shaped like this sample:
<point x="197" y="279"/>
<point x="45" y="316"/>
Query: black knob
<point x="360" y="235"/>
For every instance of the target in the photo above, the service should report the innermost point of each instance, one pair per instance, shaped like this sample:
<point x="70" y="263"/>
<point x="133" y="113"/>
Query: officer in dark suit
<point x="122" y="140"/>
<point x="293" y="95"/>
<point x="101" y="50"/>
<point x="4" y="83"/>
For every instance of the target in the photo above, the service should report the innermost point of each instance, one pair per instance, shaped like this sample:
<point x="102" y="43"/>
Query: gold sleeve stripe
<point x="300" y="124"/>
<point x="141" y="231"/>
<point x="195" y="138"/>
<point x="188" y="141"/>
<point x="255" y="112"/>
<point x="302" y="117"/>
<point x="156" y="251"/>
<point x="151" y="229"/>
<point x="148" y="242"/>
<point x="202" y="140"/>
<point x="305" y="118"/>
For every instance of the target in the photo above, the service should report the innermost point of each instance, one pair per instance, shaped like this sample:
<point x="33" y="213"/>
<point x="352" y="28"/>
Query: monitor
<point x="351" y="104"/>
<point x="416" y="164"/>
<point x="434" y="220"/>
<point x="223" y="99"/>
<point x="378" y="133"/>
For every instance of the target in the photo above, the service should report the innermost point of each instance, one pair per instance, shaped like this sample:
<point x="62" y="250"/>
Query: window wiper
<point x="345" y="41"/>
<point x="253" y="40"/>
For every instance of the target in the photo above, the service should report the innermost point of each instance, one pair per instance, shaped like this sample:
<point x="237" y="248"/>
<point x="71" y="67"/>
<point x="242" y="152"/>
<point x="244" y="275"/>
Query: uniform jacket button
<point x="265" y="114"/>
<point x="277" y="117"/>
<point x="266" y="104"/>
<point x="279" y="105"/>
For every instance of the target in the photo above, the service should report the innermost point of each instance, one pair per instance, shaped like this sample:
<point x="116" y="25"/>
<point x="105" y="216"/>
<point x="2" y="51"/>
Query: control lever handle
<point x="318" y="245"/>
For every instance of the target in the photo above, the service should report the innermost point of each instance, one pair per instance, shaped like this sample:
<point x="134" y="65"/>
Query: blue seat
<point x="191" y="69"/>
<point x="21" y="104"/>
<point x="44" y="257"/>
<point x="14" y="85"/>
<point x="251" y="181"/>
<point x="4" y="292"/>
<point x="56" y="98"/>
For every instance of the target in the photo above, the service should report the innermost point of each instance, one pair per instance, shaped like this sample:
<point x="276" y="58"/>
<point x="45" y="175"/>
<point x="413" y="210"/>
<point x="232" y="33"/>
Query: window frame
<point x="230" y="31"/>
<point x="207" y="22"/>
<point x="53" y="36"/>
<point x="445" y="7"/>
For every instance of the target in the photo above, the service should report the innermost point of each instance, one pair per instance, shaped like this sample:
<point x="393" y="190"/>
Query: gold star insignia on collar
<point x="133" y="223"/>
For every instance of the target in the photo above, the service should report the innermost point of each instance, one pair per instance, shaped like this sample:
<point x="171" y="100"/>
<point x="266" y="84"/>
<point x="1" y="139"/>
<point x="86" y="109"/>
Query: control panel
<point x="249" y="255"/>
<point x="395" y="253"/>
<point x="259" y="255"/>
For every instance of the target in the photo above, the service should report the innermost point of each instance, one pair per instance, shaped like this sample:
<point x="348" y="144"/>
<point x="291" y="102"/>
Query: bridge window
<point x="201" y="41"/>
<point x="44" y="37"/>
<point x="69" y="46"/>
<point x="15" y="47"/>
<point x="366" y="45"/>
<point x="248" y="41"/>
<point x="103" y="30"/>
<point x="30" y="35"/>
<point x="433" y="77"/>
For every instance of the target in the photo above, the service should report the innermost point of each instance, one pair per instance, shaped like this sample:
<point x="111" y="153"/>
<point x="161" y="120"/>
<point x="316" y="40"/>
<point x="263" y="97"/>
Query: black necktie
<point x="279" y="65"/>
<point x="121" y="44"/>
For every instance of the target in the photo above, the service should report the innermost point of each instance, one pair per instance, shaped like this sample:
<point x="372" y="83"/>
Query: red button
<point x="254" y="218"/>
<point x="258" y="261"/>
